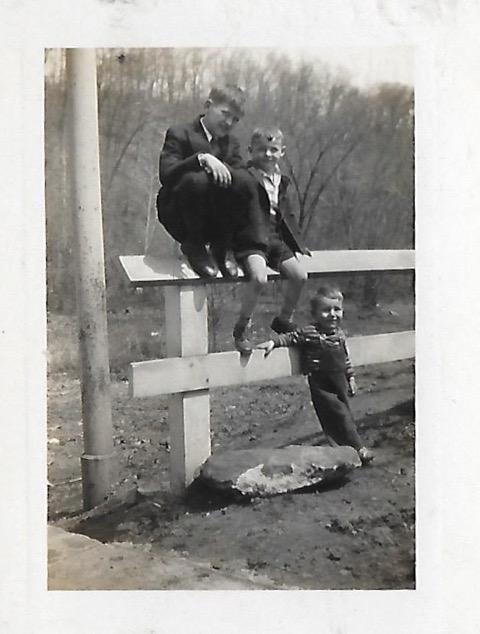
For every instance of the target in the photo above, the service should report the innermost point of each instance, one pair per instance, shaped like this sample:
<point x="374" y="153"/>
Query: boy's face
<point x="329" y="312"/>
<point x="266" y="154"/>
<point x="220" y="118"/>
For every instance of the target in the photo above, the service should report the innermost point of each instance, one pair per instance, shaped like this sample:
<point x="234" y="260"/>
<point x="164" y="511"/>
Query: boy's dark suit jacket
<point x="289" y="228"/>
<point x="179" y="155"/>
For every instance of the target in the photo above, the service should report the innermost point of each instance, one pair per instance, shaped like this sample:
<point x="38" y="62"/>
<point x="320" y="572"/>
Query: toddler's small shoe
<point x="280" y="325"/>
<point x="366" y="455"/>
<point x="241" y="339"/>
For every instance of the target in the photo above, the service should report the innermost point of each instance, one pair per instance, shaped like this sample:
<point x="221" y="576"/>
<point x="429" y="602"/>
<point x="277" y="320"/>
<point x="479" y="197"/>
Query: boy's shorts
<point x="276" y="253"/>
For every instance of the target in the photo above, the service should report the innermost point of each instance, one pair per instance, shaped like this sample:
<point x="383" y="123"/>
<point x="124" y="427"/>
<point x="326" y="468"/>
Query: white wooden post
<point x="189" y="412"/>
<point x="98" y="457"/>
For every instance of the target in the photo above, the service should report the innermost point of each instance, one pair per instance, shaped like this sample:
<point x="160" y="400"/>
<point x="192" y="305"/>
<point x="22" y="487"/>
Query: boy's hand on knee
<point x="220" y="173"/>
<point x="267" y="346"/>
<point x="352" y="386"/>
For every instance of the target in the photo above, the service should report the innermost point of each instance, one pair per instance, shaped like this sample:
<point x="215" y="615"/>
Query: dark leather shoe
<point x="280" y="325"/>
<point x="200" y="260"/>
<point x="226" y="262"/>
<point x="241" y="339"/>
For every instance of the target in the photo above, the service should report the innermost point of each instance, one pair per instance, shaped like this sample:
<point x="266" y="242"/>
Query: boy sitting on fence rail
<point x="275" y="237"/>
<point x="206" y="189"/>
<point x="326" y="361"/>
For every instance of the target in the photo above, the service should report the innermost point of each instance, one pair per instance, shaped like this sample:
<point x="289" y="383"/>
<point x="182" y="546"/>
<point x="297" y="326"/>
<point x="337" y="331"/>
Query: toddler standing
<point x="326" y="361"/>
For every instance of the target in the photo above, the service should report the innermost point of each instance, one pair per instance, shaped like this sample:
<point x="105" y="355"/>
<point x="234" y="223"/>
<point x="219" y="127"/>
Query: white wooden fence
<point x="188" y="372"/>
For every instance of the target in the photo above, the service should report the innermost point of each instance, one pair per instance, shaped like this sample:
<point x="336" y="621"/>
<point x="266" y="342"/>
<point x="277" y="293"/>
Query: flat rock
<point x="263" y="472"/>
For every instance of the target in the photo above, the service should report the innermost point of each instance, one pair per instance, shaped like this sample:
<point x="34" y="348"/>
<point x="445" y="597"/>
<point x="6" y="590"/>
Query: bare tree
<point x="349" y="152"/>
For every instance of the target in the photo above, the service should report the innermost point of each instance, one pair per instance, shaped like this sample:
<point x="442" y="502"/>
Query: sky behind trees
<point x="362" y="66"/>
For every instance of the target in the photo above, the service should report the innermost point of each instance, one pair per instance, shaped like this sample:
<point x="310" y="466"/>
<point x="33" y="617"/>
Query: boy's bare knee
<point x="256" y="270"/>
<point x="302" y="277"/>
<point x="258" y="280"/>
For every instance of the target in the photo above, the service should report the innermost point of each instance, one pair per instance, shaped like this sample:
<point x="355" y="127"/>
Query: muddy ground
<point x="359" y="534"/>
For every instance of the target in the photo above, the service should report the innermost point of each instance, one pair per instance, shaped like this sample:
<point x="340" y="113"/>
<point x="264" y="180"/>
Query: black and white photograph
<point x="239" y="255"/>
<point x="235" y="401"/>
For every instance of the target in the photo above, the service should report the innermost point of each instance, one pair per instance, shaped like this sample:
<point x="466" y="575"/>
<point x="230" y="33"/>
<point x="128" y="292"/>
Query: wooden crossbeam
<point x="145" y="270"/>
<point x="188" y="374"/>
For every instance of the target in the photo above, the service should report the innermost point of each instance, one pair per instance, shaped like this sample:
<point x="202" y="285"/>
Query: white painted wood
<point x="393" y="346"/>
<point x="170" y="376"/>
<point x="189" y="421"/>
<point x="97" y="461"/>
<point x="186" y="321"/>
<point x="145" y="270"/>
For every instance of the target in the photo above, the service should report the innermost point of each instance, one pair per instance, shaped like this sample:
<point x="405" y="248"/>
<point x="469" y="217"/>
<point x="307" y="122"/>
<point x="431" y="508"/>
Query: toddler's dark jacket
<point x="319" y="352"/>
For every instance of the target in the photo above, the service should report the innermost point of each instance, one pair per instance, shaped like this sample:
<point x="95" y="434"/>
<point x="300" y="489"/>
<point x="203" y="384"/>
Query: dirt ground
<point x="359" y="534"/>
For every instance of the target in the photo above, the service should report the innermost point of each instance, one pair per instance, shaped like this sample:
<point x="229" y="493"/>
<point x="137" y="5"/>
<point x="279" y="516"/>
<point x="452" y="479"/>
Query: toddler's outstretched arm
<point x="294" y="338"/>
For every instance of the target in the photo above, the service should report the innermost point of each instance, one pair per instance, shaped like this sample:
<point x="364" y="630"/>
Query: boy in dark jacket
<point x="206" y="189"/>
<point x="326" y="361"/>
<point x="270" y="237"/>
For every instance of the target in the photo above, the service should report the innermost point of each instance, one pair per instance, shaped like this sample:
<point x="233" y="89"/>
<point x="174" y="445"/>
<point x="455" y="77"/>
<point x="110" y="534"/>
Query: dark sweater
<point x="320" y="352"/>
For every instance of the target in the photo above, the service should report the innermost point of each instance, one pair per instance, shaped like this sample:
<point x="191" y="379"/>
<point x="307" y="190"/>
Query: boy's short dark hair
<point x="229" y="94"/>
<point x="327" y="291"/>
<point x="266" y="133"/>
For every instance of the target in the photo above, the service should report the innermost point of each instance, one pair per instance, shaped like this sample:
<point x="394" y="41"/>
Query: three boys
<point x="209" y="196"/>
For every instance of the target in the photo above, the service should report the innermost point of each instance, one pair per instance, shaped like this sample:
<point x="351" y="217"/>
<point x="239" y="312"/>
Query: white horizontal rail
<point x="145" y="270"/>
<point x="185" y="374"/>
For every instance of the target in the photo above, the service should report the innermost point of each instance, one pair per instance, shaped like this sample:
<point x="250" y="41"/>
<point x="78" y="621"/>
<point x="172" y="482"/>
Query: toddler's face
<point x="220" y="118"/>
<point x="266" y="154"/>
<point x="329" y="312"/>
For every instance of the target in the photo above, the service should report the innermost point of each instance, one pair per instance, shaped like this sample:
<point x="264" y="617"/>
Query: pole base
<point x="98" y="475"/>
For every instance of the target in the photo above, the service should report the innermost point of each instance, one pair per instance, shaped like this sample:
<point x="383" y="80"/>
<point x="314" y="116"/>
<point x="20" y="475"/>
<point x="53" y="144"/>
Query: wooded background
<point x="350" y="154"/>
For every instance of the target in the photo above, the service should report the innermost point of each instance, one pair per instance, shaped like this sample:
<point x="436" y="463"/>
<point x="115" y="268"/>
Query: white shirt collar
<point x="271" y="183"/>
<point x="208" y="134"/>
<point x="273" y="178"/>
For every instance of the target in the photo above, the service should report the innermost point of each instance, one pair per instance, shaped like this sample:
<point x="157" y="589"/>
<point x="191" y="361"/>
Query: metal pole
<point x="98" y="457"/>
